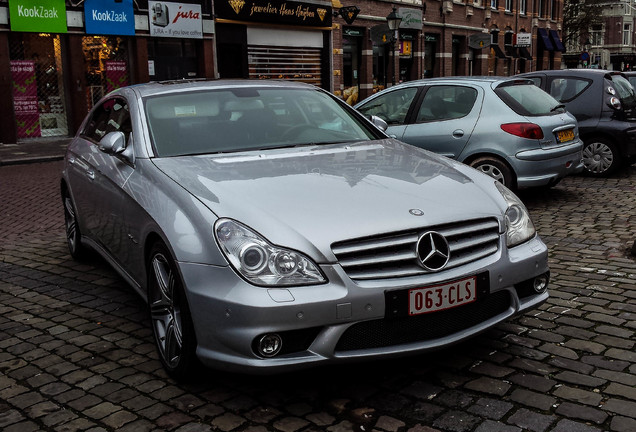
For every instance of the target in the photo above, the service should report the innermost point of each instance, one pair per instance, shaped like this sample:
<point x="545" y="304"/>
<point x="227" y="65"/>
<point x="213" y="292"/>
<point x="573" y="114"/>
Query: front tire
<point x="170" y="315"/>
<point x="600" y="157"/>
<point x="73" y="234"/>
<point x="495" y="169"/>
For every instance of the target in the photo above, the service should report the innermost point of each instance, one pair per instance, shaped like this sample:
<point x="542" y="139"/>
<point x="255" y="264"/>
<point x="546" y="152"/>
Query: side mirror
<point x="379" y="123"/>
<point x="113" y="143"/>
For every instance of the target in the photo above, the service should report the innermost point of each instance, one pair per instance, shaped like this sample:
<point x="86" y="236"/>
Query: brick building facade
<point x="54" y="72"/>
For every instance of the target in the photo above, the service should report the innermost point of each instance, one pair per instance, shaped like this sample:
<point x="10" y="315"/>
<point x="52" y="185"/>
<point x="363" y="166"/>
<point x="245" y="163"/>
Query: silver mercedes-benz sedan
<point x="269" y="226"/>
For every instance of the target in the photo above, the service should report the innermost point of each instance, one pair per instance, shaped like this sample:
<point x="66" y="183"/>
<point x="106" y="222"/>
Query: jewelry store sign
<point x="275" y="11"/>
<point x="176" y="20"/>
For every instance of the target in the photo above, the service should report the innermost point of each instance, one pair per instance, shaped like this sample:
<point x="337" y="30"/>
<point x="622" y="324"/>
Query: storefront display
<point x="106" y="65"/>
<point x="38" y="96"/>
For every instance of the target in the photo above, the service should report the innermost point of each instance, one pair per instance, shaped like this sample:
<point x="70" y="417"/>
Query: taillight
<point x="615" y="102"/>
<point x="523" y="130"/>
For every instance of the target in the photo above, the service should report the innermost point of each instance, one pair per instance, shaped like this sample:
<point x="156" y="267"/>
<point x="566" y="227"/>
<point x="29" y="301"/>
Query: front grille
<point x="394" y="255"/>
<point x="390" y="332"/>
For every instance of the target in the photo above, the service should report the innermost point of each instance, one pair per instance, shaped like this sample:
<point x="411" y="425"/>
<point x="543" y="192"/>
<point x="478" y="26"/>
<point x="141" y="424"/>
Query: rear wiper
<point x="557" y="107"/>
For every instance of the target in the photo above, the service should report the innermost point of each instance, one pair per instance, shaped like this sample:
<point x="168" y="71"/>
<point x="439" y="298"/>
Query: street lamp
<point x="393" y="20"/>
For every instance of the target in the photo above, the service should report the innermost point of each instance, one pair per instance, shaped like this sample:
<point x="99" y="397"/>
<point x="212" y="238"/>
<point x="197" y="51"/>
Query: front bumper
<point x="316" y="322"/>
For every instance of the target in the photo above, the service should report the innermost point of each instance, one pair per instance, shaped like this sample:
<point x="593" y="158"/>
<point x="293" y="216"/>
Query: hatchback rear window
<point x="528" y="100"/>
<point x="623" y="88"/>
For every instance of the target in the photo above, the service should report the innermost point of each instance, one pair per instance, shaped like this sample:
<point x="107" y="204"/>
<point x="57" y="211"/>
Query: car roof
<point x="178" y="86"/>
<point x="575" y="72"/>
<point x="460" y="80"/>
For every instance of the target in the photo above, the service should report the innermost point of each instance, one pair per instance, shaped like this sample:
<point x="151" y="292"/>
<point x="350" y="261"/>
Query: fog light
<point x="269" y="345"/>
<point x="540" y="283"/>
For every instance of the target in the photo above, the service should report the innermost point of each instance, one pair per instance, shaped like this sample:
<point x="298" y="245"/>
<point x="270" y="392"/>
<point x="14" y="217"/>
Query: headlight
<point x="519" y="226"/>
<point x="260" y="262"/>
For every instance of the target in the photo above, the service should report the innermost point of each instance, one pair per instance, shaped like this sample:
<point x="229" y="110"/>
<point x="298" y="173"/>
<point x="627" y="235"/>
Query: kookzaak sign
<point x="45" y="16"/>
<point x="275" y="11"/>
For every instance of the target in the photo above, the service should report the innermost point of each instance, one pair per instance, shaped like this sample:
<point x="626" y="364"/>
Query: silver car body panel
<point x="305" y="198"/>
<point x="479" y="134"/>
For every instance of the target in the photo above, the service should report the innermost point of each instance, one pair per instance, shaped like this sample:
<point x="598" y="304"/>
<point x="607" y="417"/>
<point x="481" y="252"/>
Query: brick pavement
<point x="76" y="349"/>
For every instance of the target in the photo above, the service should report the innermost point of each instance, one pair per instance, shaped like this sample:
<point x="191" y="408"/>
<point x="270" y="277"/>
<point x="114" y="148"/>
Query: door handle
<point x="458" y="133"/>
<point x="90" y="174"/>
<point x="71" y="160"/>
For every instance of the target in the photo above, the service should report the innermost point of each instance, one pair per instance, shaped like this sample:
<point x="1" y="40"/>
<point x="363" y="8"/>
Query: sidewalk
<point x="33" y="150"/>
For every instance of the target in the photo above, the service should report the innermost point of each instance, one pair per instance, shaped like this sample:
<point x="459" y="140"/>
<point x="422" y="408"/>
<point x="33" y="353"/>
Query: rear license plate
<point x="565" y="135"/>
<point x="440" y="297"/>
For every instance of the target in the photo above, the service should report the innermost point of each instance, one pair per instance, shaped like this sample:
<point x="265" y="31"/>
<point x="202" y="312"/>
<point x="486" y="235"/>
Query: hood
<point x="308" y="198"/>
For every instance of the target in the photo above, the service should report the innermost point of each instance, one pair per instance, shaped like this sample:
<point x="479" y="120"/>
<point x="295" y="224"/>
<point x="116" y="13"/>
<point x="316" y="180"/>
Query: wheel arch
<point x="473" y="157"/>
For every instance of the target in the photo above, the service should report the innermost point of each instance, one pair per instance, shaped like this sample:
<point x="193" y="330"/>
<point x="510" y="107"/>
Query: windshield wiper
<point x="557" y="107"/>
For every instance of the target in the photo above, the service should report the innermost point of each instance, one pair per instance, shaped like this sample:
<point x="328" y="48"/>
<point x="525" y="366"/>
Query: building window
<point x="553" y="9"/>
<point x="596" y="35"/>
<point x="508" y="5"/>
<point x="494" y="4"/>
<point x="627" y="34"/>
<point x="540" y="9"/>
<point x="522" y="6"/>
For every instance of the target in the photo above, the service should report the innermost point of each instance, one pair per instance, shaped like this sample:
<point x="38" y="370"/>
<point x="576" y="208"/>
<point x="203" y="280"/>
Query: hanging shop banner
<point x="177" y="20"/>
<point x="46" y="16"/>
<point x="109" y="17"/>
<point x="411" y="18"/>
<point x="275" y="11"/>
<point x="116" y="75"/>
<point x="25" y="98"/>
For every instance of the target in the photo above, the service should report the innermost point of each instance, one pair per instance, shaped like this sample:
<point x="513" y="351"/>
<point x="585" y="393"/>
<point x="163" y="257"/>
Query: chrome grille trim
<point x="394" y="255"/>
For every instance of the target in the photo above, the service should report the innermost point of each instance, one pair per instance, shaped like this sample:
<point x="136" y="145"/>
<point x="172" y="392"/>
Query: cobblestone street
<point x="76" y="348"/>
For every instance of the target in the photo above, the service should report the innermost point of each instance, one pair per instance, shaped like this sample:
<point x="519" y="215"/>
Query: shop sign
<point x="116" y="74"/>
<point x="47" y="16"/>
<point x="177" y="20"/>
<point x="430" y="38"/>
<point x="25" y="98"/>
<point x="355" y="32"/>
<point x="479" y="40"/>
<point x="523" y="40"/>
<point x="411" y="18"/>
<point x="381" y="34"/>
<point x="109" y="17"/>
<point x="406" y="48"/>
<point x="275" y="11"/>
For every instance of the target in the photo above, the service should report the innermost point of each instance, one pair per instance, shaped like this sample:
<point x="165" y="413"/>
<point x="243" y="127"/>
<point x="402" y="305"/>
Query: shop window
<point x="106" y="66"/>
<point x="38" y="88"/>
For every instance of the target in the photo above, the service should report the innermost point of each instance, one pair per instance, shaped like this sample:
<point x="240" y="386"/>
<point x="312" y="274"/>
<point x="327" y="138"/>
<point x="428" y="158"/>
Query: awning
<point x="498" y="52"/>
<point x="558" y="45"/>
<point x="524" y="53"/>
<point x="511" y="51"/>
<point x="543" y="36"/>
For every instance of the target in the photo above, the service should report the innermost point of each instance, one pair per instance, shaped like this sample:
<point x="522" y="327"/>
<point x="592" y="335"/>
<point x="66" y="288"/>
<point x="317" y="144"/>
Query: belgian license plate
<point x="440" y="297"/>
<point x="565" y="135"/>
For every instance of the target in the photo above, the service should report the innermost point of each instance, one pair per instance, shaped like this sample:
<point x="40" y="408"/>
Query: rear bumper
<point x="543" y="167"/>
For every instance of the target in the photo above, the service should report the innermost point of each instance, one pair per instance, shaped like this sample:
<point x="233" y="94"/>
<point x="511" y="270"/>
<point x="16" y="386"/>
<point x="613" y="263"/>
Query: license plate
<point x="440" y="297"/>
<point x="565" y="135"/>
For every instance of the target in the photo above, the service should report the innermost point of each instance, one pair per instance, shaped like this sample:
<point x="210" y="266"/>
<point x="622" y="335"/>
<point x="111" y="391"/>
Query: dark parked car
<point x="506" y="128"/>
<point x="603" y="102"/>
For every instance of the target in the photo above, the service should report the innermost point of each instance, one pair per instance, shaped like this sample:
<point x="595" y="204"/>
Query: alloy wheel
<point x="165" y="311"/>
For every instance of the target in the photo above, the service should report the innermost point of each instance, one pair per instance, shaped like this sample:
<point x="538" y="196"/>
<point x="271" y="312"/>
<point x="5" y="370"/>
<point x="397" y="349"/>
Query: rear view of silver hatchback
<point x="506" y="128"/>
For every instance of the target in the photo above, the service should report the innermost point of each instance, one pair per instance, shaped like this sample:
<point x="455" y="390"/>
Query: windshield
<point x="231" y="120"/>
<point x="528" y="99"/>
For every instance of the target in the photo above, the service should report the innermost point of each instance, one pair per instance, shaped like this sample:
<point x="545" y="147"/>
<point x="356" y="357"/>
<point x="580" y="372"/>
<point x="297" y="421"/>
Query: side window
<point x="566" y="89"/>
<point x="446" y="103"/>
<point x="111" y="116"/>
<point x="536" y="81"/>
<point x="392" y="107"/>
